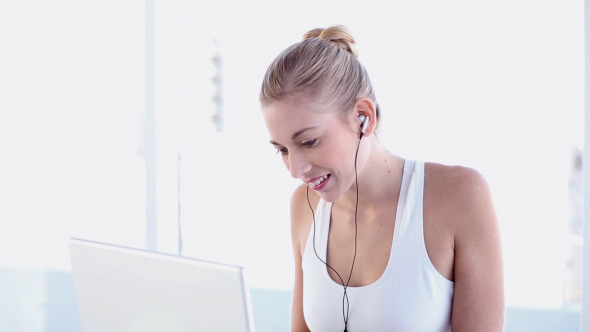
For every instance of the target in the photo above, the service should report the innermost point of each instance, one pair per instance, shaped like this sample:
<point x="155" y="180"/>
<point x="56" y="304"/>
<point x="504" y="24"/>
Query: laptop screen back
<point x="127" y="290"/>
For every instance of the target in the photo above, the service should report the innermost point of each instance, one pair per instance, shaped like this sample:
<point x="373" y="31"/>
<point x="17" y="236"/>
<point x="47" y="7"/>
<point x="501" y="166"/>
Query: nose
<point x="297" y="165"/>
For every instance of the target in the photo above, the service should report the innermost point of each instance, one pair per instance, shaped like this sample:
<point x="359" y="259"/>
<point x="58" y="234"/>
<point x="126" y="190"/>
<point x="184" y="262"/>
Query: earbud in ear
<point x="365" y="123"/>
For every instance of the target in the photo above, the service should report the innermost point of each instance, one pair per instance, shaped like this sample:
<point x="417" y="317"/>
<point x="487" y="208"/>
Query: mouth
<point x="318" y="183"/>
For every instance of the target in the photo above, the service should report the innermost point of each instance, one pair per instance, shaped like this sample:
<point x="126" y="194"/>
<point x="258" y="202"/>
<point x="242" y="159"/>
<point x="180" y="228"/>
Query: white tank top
<point x="410" y="296"/>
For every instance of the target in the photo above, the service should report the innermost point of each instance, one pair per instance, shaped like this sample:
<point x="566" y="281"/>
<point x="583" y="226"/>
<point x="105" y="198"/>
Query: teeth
<point x="318" y="181"/>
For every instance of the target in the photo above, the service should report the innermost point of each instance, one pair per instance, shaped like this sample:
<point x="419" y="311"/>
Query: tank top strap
<point x="409" y="168"/>
<point x="320" y="228"/>
<point x="409" y="211"/>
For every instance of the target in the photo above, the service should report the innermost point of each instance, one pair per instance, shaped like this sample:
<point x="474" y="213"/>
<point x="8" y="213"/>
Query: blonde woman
<point x="380" y="243"/>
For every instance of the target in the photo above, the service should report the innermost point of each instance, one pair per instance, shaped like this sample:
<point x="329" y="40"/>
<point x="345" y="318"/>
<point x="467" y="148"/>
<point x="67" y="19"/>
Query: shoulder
<point x="461" y="197"/>
<point x="456" y="186"/>
<point x="303" y="206"/>
<point x="299" y="198"/>
<point x="303" y="201"/>
<point x="454" y="179"/>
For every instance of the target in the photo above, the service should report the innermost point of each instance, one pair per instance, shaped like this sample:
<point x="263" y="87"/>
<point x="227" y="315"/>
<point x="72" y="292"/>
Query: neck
<point x="379" y="175"/>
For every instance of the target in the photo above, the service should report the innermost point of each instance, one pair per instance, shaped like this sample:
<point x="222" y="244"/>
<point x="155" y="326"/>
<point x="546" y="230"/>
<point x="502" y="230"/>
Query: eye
<point x="282" y="151"/>
<point x="309" y="144"/>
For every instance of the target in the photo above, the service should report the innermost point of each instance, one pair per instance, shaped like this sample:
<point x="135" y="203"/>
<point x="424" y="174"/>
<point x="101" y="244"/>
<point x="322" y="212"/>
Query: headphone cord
<point x="345" y="301"/>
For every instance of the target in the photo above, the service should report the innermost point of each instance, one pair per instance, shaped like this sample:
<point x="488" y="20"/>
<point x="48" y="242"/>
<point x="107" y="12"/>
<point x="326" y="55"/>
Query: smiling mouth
<point x="318" y="181"/>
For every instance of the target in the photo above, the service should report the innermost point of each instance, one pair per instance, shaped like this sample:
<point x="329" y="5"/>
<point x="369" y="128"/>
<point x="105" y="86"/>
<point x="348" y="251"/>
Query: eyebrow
<point x="296" y="135"/>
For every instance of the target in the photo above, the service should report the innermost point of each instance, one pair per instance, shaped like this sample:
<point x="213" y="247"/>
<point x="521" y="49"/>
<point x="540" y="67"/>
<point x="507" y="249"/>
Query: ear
<point x="365" y="106"/>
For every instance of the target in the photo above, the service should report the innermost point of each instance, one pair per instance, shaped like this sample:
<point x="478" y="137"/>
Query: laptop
<point x="132" y="290"/>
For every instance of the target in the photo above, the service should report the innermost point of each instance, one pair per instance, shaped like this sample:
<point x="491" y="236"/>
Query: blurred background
<point x="137" y="123"/>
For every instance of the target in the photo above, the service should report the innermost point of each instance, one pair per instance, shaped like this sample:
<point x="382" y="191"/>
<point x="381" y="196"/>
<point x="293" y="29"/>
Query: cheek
<point x="343" y="157"/>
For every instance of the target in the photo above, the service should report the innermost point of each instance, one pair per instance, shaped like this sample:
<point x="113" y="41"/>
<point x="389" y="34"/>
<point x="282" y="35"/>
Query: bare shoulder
<point x="461" y="193"/>
<point x="303" y="201"/>
<point x="455" y="179"/>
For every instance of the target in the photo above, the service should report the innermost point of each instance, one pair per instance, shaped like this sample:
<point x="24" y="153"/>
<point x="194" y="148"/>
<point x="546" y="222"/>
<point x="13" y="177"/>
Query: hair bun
<point x="337" y="34"/>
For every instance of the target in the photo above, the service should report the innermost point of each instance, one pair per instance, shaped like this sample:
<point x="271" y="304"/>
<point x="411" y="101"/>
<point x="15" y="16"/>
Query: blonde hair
<point x="323" y="65"/>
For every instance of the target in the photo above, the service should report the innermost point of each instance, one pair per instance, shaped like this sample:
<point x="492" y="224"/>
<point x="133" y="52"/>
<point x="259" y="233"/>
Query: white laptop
<point x="131" y="290"/>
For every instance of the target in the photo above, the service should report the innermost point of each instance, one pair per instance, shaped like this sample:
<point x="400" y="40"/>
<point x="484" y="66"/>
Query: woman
<point x="380" y="243"/>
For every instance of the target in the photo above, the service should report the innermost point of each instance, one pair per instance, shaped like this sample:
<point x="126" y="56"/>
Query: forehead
<point x="286" y="117"/>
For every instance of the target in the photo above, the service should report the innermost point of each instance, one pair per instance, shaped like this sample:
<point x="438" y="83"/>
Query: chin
<point x="328" y="197"/>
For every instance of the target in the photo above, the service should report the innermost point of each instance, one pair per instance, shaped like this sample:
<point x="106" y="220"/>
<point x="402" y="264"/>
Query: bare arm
<point x="301" y="218"/>
<point x="478" y="303"/>
<point x="297" y="319"/>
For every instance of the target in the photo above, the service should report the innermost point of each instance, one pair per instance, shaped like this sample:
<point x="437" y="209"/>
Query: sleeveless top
<point x="410" y="296"/>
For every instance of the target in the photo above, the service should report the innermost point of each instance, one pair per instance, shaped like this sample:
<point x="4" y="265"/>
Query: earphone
<point x="365" y="123"/>
<point x="345" y="303"/>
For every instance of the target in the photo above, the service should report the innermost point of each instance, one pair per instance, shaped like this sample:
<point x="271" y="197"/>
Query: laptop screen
<point x="126" y="289"/>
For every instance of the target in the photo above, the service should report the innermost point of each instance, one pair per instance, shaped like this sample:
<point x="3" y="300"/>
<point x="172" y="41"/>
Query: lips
<point x="318" y="182"/>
